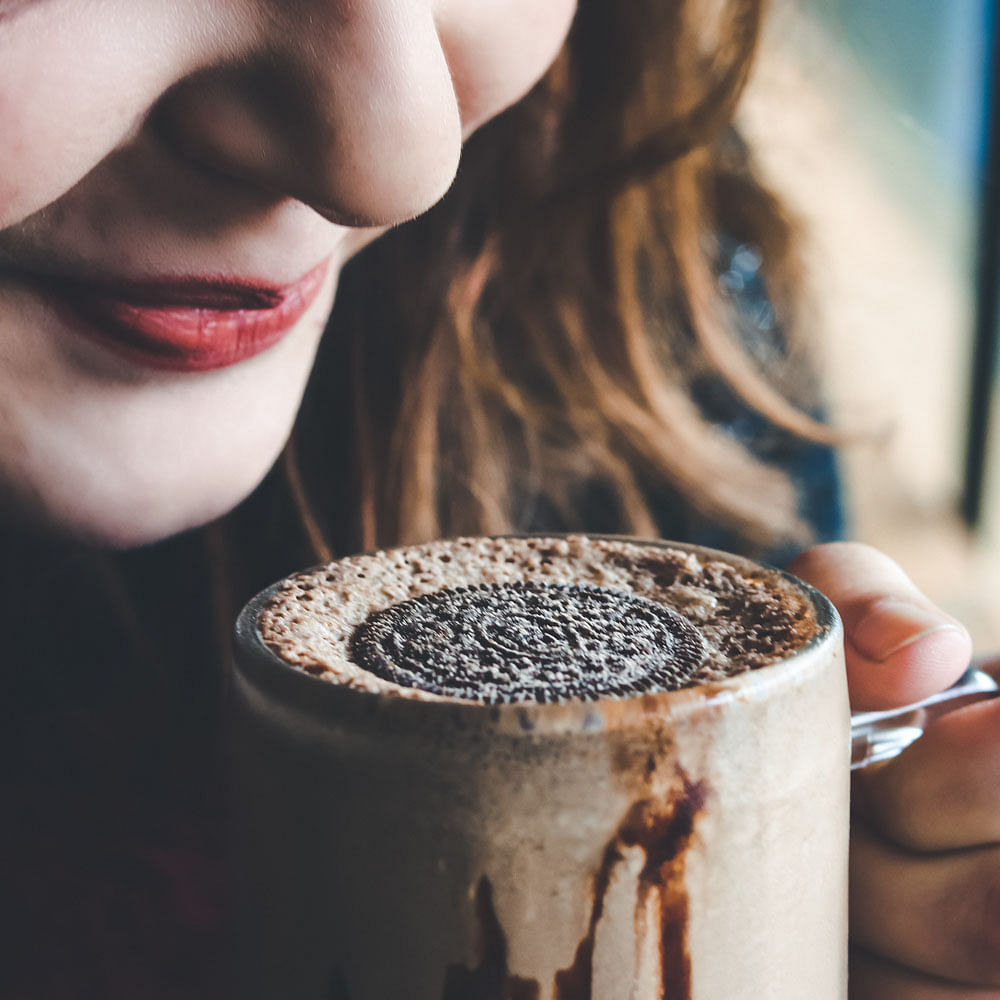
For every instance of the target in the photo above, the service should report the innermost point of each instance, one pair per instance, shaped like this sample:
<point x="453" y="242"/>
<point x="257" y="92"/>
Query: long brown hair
<point x="534" y="337"/>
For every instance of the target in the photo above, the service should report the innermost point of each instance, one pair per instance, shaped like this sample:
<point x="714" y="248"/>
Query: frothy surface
<point x="533" y="619"/>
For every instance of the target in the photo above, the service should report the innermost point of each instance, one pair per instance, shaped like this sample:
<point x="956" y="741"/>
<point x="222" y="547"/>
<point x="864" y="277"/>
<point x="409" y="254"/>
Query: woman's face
<point x="180" y="183"/>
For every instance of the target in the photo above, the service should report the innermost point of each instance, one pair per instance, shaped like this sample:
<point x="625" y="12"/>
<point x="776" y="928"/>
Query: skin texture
<point x="257" y="138"/>
<point x="245" y="139"/>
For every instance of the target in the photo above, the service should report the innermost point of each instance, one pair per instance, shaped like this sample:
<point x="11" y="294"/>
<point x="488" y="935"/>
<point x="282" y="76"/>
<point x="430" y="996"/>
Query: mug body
<point x="679" y="845"/>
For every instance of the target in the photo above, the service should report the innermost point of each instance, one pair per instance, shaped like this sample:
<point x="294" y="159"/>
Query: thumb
<point x="899" y="646"/>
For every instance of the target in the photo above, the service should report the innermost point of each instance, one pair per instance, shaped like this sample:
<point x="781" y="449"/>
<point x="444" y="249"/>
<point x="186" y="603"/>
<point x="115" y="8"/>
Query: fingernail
<point x="891" y="625"/>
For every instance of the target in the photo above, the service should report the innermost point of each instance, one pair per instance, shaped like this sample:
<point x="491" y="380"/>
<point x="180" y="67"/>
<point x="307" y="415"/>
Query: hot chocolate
<point x="533" y="619"/>
<point x="567" y="768"/>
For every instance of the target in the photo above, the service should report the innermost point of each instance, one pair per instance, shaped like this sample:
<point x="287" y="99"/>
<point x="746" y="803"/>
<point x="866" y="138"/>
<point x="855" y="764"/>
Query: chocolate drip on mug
<point x="490" y="980"/>
<point x="663" y="832"/>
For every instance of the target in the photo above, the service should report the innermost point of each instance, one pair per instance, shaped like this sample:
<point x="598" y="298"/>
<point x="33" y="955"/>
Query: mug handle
<point x="880" y="736"/>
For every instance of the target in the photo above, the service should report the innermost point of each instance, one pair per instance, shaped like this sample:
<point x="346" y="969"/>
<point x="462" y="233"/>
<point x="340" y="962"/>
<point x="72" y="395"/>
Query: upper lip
<point x="187" y="323"/>
<point x="223" y="294"/>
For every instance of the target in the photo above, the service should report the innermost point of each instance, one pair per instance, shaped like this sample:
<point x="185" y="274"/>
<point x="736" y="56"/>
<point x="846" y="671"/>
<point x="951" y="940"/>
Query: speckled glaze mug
<point x="681" y="845"/>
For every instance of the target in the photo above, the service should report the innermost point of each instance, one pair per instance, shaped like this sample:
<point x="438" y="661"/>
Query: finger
<point x="899" y="646"/>
<point x="943" y="791"/>
<point x="874" y="978"/>
<point x="938" y="915"/>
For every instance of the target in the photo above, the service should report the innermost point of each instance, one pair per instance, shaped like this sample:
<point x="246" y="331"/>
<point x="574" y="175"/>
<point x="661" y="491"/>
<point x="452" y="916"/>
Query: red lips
<point x="188" y="325"/>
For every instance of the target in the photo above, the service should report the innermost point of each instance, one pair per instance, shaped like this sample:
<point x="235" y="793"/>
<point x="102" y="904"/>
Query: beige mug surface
<point x="677" y="845"/>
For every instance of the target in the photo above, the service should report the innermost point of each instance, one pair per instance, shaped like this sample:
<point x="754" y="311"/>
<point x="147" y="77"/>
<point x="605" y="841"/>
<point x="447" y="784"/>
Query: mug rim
<point x="255" y="663"/>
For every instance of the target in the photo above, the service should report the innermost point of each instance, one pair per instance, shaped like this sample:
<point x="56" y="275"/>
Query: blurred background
<point x="875" y="119"/>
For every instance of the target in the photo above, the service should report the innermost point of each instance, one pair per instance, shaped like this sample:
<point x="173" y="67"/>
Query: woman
<point x="549" y="346"/>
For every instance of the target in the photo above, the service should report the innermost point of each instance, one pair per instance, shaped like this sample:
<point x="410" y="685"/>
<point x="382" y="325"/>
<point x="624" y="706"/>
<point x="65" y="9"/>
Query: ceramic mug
<point x="678" y="845"/>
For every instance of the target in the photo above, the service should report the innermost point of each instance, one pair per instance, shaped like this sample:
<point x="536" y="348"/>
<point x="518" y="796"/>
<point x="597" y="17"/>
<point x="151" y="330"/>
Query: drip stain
<point x="663" y="831"/>
<point x="491" y="979"/>
<point x="576" y="982"/>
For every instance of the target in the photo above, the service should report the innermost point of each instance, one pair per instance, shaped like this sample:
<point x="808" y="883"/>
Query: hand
<point x="925" y="848"/>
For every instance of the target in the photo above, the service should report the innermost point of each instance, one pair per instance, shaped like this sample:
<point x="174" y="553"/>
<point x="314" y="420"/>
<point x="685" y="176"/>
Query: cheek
<point x="57" y="124"/>
<point x="76" y="81"/>
<point x="498" y="49"/>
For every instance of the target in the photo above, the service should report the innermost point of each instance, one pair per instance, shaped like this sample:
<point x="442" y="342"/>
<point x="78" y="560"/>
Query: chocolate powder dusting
<point x="321" y="621"/>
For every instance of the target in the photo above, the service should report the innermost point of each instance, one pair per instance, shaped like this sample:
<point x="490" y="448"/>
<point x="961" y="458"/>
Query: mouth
<point x="187" y="324"/>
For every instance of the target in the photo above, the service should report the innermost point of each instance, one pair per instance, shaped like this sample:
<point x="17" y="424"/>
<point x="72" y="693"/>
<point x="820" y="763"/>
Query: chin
<point x="141" y="484"/>
<point x="145" y="525"/>
<point x="126" y="519"/>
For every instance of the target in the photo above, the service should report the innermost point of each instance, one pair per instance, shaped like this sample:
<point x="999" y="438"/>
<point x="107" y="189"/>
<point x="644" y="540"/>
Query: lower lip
<point x="188" y="337"/>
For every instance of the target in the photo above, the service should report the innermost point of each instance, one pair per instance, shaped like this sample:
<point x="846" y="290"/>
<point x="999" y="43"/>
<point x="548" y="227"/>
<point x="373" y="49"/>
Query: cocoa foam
<point x="344" y="621"/>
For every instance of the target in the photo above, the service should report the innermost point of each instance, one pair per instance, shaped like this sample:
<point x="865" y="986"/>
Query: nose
<point x="347" y="105"/>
